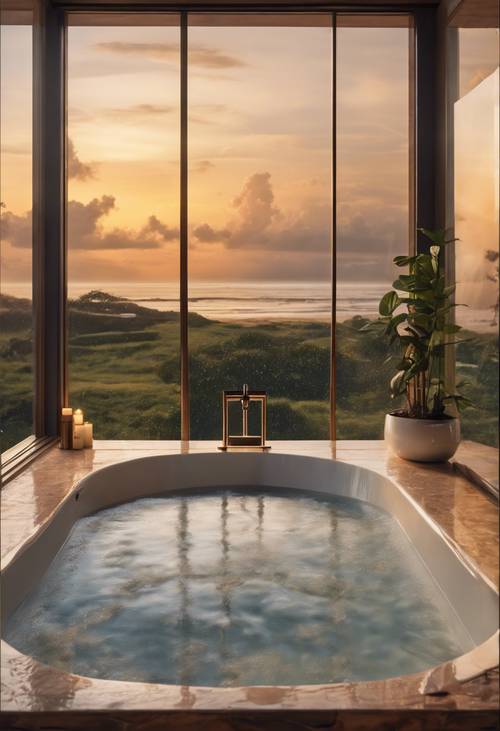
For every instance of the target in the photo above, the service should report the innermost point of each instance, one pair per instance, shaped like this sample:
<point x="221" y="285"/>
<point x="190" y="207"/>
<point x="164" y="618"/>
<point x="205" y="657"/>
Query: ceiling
<point x="463" y="13"/>
<point x="242" y="3"/>
<point x="476" y="14"/>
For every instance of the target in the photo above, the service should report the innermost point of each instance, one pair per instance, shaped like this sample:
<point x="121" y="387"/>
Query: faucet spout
<point x="245" y="399"/>
<point x="245" y="402"/>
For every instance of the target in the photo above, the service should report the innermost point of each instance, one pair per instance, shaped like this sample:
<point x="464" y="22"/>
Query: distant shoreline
<point x="249" y="303"/>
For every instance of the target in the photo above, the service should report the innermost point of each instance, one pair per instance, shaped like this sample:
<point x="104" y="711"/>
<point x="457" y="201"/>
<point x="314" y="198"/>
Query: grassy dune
<point x="124" y="372"/>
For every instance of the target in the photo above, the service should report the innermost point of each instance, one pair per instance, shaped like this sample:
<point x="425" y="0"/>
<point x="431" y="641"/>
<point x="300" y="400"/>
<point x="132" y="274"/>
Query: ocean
<point x="265" y="300"/>
<point x="239" y="300"/>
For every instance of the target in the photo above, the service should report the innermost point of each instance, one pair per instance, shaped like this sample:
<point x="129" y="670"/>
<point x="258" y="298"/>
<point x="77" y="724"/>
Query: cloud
<point x="212" y="58"/>
<point x="78" y="170"/>
<point x="370" y="232"/>
<point x="260" y="224"/>
<point x="16" y="150"/>
<point x="368" y="237"/>
<point x="203" y="113"/>
<point x="203" y="166"/>
<point x="17" y="230"/>
<point x="307" y="232"/>
<point x="207" y="113"/>
<point x="77" y="115"/>
<point x="157" y="51"/>
<point x="154" y="225"/>
<point x="256" y="211"/>
<point x="199" y="55"/>
<point x="138" y="111"/>
<point x="208" y="235"/>
<point x="83" y="219"/>
<point x="85" y="230"/>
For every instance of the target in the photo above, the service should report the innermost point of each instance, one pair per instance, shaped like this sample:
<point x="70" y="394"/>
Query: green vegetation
<point x="415" y="319"/>
<point x="124" y="373"/>
<point x="16" y="373"/>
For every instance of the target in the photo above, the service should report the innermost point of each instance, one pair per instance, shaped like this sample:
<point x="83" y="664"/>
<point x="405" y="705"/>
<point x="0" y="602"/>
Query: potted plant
<point x="415" y="317"/>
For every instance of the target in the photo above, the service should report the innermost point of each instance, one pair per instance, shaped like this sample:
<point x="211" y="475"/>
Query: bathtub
<point x="471" y="595"/>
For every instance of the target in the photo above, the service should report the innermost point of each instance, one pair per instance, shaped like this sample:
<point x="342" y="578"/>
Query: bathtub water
<point x="239" y="587"/>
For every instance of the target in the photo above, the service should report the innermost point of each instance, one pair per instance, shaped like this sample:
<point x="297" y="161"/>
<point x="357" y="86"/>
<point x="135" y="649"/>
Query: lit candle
<point x="78" y="436"/>
<point x="78" y="417"/>
<point x="87" y="435"/>
<point x="67" y="411"/>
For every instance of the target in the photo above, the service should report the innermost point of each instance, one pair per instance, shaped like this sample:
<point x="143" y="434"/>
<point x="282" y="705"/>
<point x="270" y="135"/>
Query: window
<point x="476" y="196"/>
<point x="261" y="208"/>
<point x="373" y="206"/>
<point x="16" y="329"/>
<point x="260" y="211"/>
<point x="123" y="223"/>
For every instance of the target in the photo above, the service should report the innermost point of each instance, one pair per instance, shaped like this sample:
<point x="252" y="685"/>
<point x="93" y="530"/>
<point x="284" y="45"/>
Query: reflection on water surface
<point x="231" y="589"/>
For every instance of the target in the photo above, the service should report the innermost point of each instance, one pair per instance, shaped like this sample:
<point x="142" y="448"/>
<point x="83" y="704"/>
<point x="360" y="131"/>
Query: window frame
<point x="49" y="176"/>
<point x="24" y="13"/>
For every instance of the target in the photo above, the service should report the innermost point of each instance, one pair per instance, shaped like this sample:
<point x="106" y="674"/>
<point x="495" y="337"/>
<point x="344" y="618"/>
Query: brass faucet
<point x="243" y="440"/>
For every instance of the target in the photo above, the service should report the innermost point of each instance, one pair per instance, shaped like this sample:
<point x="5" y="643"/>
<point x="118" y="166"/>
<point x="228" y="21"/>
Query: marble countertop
<point x="467" y="515"/>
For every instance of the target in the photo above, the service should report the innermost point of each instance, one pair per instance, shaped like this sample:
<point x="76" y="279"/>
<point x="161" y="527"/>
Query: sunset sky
<point x="476" y="168"/>
<point x="259" y="152"/>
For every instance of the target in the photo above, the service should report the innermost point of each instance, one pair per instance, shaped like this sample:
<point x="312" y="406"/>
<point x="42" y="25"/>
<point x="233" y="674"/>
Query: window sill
<point x="15" y="459"/>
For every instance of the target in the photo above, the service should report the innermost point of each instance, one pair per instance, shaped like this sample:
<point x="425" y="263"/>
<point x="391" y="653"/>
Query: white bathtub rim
<point x="467" y="562"/>
<point x="436" y="679"/>
<point x="476" y="661"/>
<point x="79" y="486"/>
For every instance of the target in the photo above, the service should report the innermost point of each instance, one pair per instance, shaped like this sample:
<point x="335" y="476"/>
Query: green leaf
<point x="437" y="237"/>
<point x="446" y="308"/>
<point x="419" y="332"/>
<point x="416" y="367"/>
<point x="427" y="295"/>
<point x="422" y="320"/>
<point x="412" y="340"/>
<point x="397" y="320"/>
<point x="406" y="278"/>
<point x="404" y="364"/>
<point x="410" y="284"/>
<point x="398" y="284"/>
<point x="402" y="261"/>
<point x="388" y="303"/>
<point x="397" y="383"/>
<point x="424" y="265"/>
<point x="416" y="303"/>
<point x="451" y="329"/>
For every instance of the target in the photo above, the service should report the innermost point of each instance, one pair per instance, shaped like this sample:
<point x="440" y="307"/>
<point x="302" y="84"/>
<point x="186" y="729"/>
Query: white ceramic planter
<point x="422" y="440"/>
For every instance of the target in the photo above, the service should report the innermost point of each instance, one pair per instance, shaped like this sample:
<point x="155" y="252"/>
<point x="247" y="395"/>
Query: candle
<point x="66" y="428"/>
<point x="78" y="417"/>
<point x="87" y="435"/>
<point x="78" y="436"/>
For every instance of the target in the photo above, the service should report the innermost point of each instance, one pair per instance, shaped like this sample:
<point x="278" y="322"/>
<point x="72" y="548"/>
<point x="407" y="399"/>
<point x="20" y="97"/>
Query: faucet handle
<point x="245" y="399"/>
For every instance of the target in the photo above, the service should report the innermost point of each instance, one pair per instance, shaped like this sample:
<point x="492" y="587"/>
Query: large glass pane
<point x="123" y="214"/>
<point x="372" y="207"/>
<point x="476" y="154"/>
<point x="16" y="336"/>
<point x="260" y="214"/>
